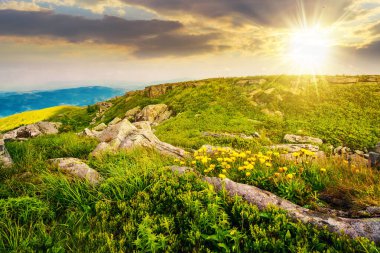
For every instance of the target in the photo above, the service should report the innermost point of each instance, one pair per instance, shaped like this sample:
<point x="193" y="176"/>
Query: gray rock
<point x="5" y="158"/>
<point x="131" y="114"/>
<point x="377" y="148"/>
<point x="33" y="130"/>
<point x="144" y="125"/>
<point x="155" y="114"/>
<point x="374" y="159"/>
<point x="295" y="147"/>
<point x="77" y="168"/>
<point x="100" y="127"/>
<point x="125" y="136"/>
<point x="373" y="210"/>
<point x="117" y="131"/>
<point x="302" y="139"/>
<point x="114" y="121"/>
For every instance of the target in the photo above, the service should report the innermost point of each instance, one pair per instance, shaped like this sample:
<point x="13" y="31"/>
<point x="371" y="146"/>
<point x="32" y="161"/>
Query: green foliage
<point x="148" y="208"/>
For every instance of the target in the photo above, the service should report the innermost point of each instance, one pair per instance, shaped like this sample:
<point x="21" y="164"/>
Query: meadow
<point x="142" y="206"/>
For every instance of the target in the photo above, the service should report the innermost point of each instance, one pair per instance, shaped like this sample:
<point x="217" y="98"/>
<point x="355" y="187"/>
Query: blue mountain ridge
<point x="16" y="102"/>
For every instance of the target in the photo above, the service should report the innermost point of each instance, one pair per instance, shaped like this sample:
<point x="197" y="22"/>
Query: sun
<point x="308" y="49"/>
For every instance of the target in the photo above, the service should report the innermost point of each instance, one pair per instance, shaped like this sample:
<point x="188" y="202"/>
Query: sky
<point x="48" y="44"/>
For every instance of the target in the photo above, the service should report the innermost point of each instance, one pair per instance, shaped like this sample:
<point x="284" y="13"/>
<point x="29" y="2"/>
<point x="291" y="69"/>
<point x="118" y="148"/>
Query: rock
<point x="251" y="81"/>
<point x="102" y="108"/>
<point x="117" y="131"/>
<point x="5" y="158"/>
<point x="302" y="139"/>
<point x="33" y="130"/>
<point x="373" y="210"/>
<point x="114" y="121"/>
<point x="77" y="168"/>
<point x="377" y="148"/>
<point x="125" y="136"/>
<point x="358" y="161"/>
<point x="161" y="89"/>
<point x="369" y="227"/>
<point x="100" y="127"/>
<point x="155" y="114"/>
<point x="359" y="152"/>
<point x="374" y="159"/>
<point x="131" y="114"/>
<point x="289" y="157"/>
<point x="144" y="125"/>
<point x="295" y="147"/>
<point x="342" y="150"/>
<point x="89" y="133"/>
<point x="268" y="112"/>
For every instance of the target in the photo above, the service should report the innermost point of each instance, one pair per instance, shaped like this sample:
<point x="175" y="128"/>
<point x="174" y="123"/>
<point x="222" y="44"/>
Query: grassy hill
<point x="141" y="206"/>
<point x="340" y="113"/>
<point x="30" y="117"/>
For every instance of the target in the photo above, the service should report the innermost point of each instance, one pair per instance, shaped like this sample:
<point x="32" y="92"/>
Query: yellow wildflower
<point x="323" y="170"/>
<point x="296" y="154"/>
<point x="182" y="163"/>
<point x="277" y="174"/>
<point x="222" y="176"/>
<point x="289" y="176"/>
<point x="248" y="174"/>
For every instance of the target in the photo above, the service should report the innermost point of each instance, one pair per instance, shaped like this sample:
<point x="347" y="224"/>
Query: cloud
<point x="269" y="13"/>
<point x="78" y="29"/>
<point x="148" y="37"/>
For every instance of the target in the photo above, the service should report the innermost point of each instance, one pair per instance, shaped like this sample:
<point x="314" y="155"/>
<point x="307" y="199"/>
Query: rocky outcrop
<point x="369" y="228"/>
<point x="33" y="130"/>
<point x="161" y="89"/>
<point x="102" y="108"/>
<point x="295" y="147"/>
<point x="302" y="139"/>
<point x="5" y="158"/>
<point x="125" y="136"/>
<point x="154" y="114"/>
<point x="77" y="168"/>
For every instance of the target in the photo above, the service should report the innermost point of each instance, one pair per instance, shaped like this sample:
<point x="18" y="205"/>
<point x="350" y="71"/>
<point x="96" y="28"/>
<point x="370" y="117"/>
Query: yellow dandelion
<point x="182" y="163"/>
<point x="277" y="174"/>
<point x="248" y="174"/>
<point x="222" y="176"/>
<point x="323" y="170"/>
<point x="289" y="176"/>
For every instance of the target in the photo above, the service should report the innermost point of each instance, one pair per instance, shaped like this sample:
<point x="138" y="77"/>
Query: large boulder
<point x="33" y="130"/>
<point x="374" y="159"/>
<point x="5" y="158"/>
<point x="302" y="139"/>
<point x="155" y="114"/>
<point x="131" y="114"/>
<point x="77" y="168"/>
<point x="125" y="136"/>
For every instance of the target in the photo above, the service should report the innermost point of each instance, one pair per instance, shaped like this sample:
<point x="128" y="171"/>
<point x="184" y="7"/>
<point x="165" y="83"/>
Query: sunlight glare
<point x="309" y="49"/>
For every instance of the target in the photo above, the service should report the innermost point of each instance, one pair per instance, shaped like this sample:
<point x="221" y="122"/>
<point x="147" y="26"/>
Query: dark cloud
<point x="77" y="29"/>
<point x="371" y="51"/>
<point x="175" y="44"/>
<point x="264" y="12"/>
<point x="150" y="37"/>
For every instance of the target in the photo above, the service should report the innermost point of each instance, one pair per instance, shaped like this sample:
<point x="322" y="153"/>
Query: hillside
<point x="104" y="184"/>
<point x="16" y="102"/>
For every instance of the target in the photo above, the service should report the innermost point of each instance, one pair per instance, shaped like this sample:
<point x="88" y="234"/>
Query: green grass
<point x="340" y="114"/>
<point x="142" y="206"/>
<point x="30" y="117"/>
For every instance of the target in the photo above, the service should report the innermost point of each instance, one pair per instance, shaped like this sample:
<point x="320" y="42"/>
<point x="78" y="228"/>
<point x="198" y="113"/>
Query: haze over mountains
<point x="15" y="102"/>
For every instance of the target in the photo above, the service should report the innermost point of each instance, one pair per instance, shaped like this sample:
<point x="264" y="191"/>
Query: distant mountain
<point x="15" y="102"/>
